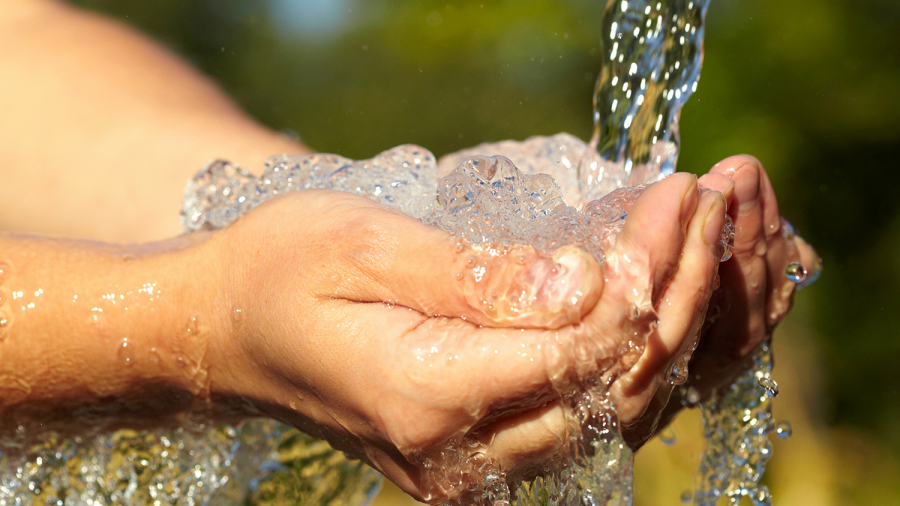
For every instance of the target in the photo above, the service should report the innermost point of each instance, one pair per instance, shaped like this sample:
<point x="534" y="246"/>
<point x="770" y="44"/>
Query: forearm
<point x="100" y="120"/>
<point x="113" y="332"/>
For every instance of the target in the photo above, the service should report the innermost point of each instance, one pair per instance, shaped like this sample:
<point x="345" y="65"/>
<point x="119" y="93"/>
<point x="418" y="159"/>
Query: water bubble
<point x="770" y="386"/>
<point x="795" y="272"/>
<point x="784" y="430"/>
<point x="690" y="397"/>
<point x="686" y="496"/>
<point x="126" y="351"/>
<point x="726" y="242"/>
<point x="667" y="436"/>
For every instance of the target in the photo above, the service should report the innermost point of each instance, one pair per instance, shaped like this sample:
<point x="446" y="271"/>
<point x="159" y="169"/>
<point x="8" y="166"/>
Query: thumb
<point x="428" y="270"/>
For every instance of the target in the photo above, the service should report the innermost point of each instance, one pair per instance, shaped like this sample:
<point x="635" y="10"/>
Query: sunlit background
<point x="811" y="87"/>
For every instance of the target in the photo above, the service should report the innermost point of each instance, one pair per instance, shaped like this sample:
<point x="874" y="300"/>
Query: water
<point x="259" y="461"/>
<point x="652" y="54"/>
<point x="737" y="423"/>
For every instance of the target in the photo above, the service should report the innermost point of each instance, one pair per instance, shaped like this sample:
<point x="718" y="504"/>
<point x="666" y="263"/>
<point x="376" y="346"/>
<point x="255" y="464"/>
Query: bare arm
<point x="95" y="333"/>
<point x="102" y="127"/>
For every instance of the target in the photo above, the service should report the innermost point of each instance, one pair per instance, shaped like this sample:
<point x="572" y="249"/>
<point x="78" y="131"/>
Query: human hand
<point x="755" y="293"/>
<point x="351" y="322"/>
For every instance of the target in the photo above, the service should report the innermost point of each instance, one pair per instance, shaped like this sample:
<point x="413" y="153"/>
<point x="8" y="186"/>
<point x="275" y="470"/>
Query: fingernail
<point x="689" y="201"/>
<point x="715" y="220"/>
<point x="746" y="189"/>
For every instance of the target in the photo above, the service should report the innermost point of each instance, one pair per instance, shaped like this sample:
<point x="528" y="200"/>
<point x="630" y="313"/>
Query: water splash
<point x="737" y="423"/>
<point x="259" y="462"/>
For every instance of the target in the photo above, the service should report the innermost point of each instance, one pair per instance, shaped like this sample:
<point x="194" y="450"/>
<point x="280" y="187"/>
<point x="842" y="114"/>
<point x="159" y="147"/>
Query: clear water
<point x="736" y="424"/>
<point x="547" y="192"/>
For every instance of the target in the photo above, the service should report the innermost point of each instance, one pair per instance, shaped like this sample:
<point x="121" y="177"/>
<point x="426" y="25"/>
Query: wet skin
<point x="387" y="384"/>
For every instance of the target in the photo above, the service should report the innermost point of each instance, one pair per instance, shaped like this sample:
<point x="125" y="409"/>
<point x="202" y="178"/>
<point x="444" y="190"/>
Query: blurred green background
<point x="812" y="88"/>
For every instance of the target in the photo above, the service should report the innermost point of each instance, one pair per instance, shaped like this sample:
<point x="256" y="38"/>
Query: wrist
<point x="259" y="364"/>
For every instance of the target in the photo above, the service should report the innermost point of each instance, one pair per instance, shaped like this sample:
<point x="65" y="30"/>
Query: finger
<point x="682" y="305"/>
<point x="720" y="183"/>
<point x="781" y="251"/>
<point x="524" y="442"/>
<point x="652" y="238"/>
<point x="377" y="255"/>
<point x="745" y="276"/>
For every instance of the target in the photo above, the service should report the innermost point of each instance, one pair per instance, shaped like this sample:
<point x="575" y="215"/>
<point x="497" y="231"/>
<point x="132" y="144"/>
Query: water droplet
<point x="470" y="261"/>
<point x="237" y="315"/>
<point x="690" y="396"/>
<point x="128" y="257"/>
<point x="193" y="325"/>
<point x="770" y="386"/>
<point x="459" y="275"/>
<point x="667" y="436"/>
<point x="783" y="430"/>
<point x="126" y="351"/>
<point x="795" y="272"/>
<point x="388" y="304"/>
<point x="154" y="356"/>
<point x="4" y="320"/>
<point x="686" y="496"/>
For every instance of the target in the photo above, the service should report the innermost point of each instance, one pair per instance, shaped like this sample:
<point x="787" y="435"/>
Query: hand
<point x="368" y="329"/>
<point x="755" y="294"/>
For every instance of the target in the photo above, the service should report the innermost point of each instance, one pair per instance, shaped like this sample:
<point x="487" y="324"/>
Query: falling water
<point x="652" y="54"/>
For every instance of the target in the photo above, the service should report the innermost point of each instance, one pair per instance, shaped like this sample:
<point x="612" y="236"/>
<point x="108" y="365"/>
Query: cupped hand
<point x="755" y="292"/>
<point x="387" y="338"/>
